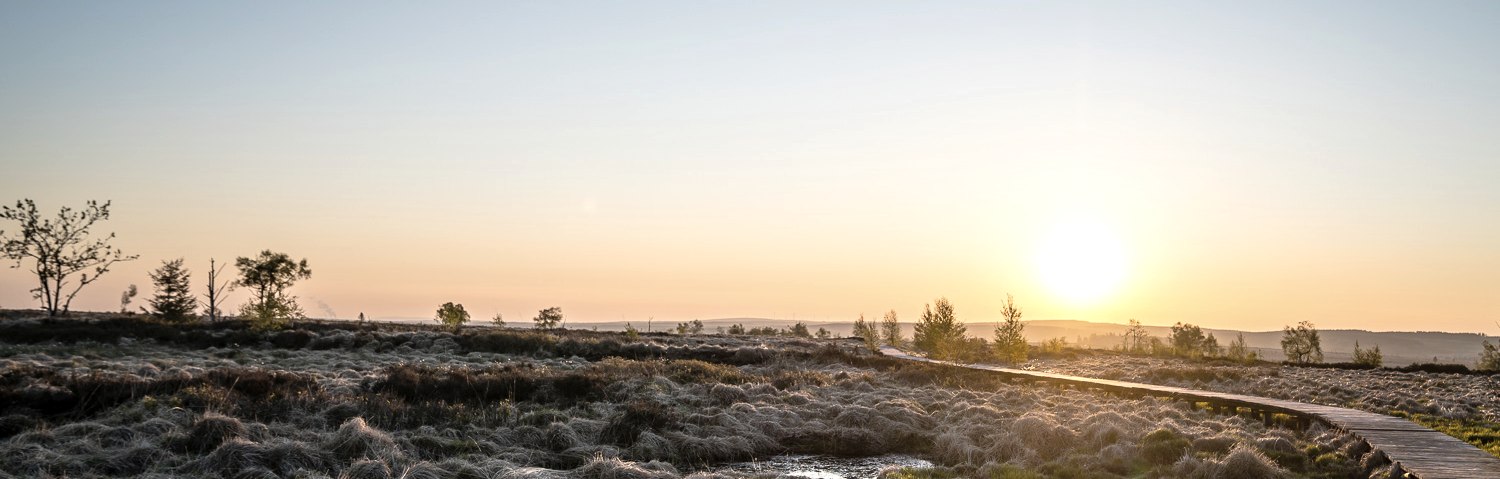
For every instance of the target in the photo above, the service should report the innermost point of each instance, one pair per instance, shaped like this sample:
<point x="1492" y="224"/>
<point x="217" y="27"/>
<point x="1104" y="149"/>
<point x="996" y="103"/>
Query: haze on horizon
<point x="1241" y="166"/>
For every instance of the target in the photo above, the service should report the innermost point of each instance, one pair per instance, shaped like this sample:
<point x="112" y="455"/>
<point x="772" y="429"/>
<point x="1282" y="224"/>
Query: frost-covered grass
<point x="1465" y="406"/>
<point x="332" y="401"/>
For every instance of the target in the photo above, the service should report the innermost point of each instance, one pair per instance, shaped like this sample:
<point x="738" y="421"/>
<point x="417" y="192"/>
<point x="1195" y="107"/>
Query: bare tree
<point x="1136" y="338"/>
<point x="59" y="248"/>
<point x="216" y="290"/>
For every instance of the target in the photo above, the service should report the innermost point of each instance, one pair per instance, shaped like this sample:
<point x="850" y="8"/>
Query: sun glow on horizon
<point x="1081" y="262"/>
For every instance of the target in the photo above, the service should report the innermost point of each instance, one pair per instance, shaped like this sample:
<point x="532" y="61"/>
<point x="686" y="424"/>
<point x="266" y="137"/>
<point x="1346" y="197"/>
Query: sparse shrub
<point x="1241" y="352"/>
<point x="693" y="327"/>
<point x="498" y="320"/>
<point x="867" y="332"/>
<point x="453" y="316"/>
<point x="799" y="329"/>
<point x="1188" y="340"/>
<point x="1367" y="357"/>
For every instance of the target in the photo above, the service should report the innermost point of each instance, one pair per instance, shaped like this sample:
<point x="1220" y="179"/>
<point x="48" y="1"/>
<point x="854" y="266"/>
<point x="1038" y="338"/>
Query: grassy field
<point x="1463" y="405"/>
<point x="124" y="397"/>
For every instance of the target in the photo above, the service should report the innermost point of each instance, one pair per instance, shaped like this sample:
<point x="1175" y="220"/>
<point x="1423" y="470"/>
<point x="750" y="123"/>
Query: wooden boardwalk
<point x="1418" y="450"/>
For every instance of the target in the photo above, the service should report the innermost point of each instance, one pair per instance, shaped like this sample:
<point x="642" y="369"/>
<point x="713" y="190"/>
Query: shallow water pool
<point x="823" y="467"/>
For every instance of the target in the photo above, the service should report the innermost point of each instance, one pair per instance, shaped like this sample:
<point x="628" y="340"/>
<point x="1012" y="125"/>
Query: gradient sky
<point x="1258" y="163"/>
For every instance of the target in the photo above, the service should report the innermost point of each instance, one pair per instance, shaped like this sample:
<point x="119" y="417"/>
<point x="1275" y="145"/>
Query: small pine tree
<point x="890" y="329"/>
<point x="738" y="329"/>
<point x="1010" y="342"/>
<point x="174" y="301"/>
<point x="823" y="333"/>
<point x="1367" y="357"/>
<point x="499" y="320"/>
<point x="866" y="330"/>
<point x="939" y="333"/>
<point x="452" y="315"/>
<point x="548" y="318"/>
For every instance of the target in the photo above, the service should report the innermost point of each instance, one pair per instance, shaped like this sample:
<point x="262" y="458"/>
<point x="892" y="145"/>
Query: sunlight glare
<point x="1081" y="261"/>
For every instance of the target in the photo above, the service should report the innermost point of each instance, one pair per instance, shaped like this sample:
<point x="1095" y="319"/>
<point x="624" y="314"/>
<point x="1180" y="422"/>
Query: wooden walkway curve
<point x="1416" y="449"/>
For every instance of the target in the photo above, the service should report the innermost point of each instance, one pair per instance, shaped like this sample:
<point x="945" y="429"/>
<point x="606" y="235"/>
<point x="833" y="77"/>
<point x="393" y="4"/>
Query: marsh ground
<point x="1465" y="405"/>
<point x="123" y="397"/>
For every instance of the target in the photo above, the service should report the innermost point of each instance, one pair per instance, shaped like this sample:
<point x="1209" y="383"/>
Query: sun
<point x="1081" y="261"/>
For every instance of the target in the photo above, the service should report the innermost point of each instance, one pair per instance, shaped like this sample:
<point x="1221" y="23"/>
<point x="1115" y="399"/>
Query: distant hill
<point x="1398" y="347"/>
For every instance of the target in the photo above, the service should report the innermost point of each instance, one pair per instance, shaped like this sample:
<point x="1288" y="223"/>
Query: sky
<point x="1242" y="165"/>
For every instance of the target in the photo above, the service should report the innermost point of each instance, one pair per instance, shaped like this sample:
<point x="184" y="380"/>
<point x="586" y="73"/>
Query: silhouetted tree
<point x="890" y="329"/>
<point x="548" y="318"/>
<point x="822" y="333"/>
<point x="939" y="333"/>
<point x="1368" y="357"/>
<point x="866" y="331"/>
<point x="452" y="315"/>
<point x="1301" y="344"/>
<point x="217" y="290"/>
<point x="738" y="329"/>
<point x="174" y="300"/>
<point x="1010" y="340"/>
<point x="498" y="320"/>
<point x="126" y="297"/>
<point x="268" y="276"/>
<point x="58" y="248"/>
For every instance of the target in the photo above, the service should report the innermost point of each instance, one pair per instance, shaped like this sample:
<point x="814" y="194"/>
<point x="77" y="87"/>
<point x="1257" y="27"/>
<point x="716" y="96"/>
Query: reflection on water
<point x="823" y="467"/>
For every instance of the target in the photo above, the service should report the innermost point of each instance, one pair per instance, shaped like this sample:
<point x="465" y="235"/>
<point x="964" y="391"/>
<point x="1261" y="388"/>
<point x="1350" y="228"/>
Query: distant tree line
<point x="64" y="255"/>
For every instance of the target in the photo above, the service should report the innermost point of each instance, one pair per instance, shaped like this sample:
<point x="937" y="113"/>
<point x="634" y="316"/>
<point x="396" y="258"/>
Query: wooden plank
<point x="1421" y="451"/>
